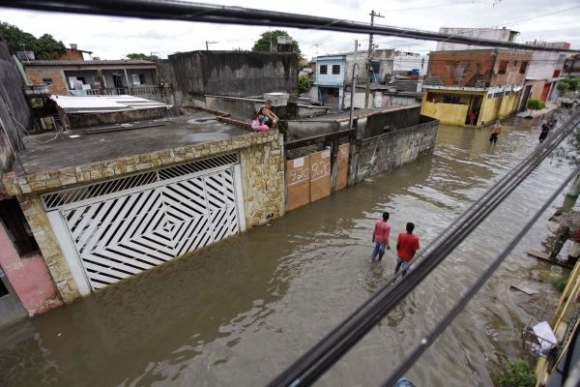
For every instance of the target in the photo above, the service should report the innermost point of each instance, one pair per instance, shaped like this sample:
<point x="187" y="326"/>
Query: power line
<point x="473" y="290"/>
<point x="182" y="10"/>
<point x="315" y="362"/>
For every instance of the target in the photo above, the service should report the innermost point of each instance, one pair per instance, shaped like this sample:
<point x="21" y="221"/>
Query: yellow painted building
<point x="453" y="106"/>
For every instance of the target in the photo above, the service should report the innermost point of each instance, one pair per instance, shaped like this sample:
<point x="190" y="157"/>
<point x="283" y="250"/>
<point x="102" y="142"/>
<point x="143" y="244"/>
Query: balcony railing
<point x="137" y="91"/>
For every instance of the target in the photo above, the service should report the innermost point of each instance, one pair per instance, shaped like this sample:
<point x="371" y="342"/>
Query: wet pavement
<point x="240" y="311"/>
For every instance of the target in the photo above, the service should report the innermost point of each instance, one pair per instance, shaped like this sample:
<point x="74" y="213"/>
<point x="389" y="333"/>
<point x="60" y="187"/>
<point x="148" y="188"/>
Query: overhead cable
<point x="196" y="12"/>
<point x="472" y="291"/>
<point x="309" y="367"/>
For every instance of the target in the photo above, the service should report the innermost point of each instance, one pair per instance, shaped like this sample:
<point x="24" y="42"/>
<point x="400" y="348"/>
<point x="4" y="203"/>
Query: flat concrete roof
<point x="45" y="153"/>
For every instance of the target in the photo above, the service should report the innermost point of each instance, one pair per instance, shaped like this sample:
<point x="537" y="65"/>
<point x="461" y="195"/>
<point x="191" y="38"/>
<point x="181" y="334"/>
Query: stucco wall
<point x="447" y="113"/>
<point x="262" y="167"/>
<point x="391" y="150"/>
<point x="28" y="276"/>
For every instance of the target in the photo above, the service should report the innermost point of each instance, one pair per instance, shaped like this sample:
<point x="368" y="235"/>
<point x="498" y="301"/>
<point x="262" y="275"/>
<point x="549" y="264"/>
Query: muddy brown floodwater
<point x="239" y="312"/>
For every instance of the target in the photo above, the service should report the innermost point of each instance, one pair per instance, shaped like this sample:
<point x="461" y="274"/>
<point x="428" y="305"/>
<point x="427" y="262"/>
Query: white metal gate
<point x="116" y="237"/>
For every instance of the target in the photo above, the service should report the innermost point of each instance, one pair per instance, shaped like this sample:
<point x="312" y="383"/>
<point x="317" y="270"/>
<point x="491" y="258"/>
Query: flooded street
<point x="240" y="311"/>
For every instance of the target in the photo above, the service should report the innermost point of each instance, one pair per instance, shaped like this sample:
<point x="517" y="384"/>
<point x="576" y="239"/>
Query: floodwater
<point x="239" y="312"/>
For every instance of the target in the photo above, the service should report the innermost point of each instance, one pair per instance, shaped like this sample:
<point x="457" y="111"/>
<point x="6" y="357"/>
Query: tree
<point x="141" y="56"/>
<point x="45" y="47"/>
<point x="270" y="39"/>
<point x="303" y="84"/>
<point x="536" y="104"/>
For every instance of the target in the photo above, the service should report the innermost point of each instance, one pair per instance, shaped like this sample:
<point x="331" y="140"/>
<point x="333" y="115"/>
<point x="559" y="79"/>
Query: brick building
<point x="92" y="77"/>
<point x="487" y="82"/>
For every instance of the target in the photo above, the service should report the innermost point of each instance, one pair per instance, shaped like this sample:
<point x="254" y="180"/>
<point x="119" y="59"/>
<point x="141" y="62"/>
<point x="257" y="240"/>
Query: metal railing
<point x="137" y="90"/>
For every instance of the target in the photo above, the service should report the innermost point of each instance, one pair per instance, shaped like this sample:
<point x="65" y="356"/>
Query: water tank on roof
<point x="278" y="99"/>
<point x="74" y="46"/>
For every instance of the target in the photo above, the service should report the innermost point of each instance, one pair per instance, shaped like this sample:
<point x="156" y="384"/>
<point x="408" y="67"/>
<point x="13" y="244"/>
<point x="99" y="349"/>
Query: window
<point x="323" y="69"/>
<point x="523" y="67"/>
<point x="336" y="69"/>
<point x="17" y="227"/>
<point x="48" y="81"/>
<point x="502" y="67"/>
<point x="142" y="79"/>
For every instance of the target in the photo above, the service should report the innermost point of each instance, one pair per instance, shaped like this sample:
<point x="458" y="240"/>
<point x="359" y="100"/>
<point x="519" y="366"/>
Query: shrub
<point x="516" y="374"/>
<point x="536" y="104"/>
<point x="560" y="284"/>
<point x="303" y="84"/>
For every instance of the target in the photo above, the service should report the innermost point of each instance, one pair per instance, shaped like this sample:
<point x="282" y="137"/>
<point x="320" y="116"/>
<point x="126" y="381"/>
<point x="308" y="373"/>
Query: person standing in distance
<point x="495" y="132"/>
<point x="407" y="246"/>
<point x="381" y="237"/>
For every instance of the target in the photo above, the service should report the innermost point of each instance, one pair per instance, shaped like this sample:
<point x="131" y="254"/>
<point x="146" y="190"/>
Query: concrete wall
<point x="392" y="120"/>
<point x="28" y="276"/>
<point x="14" y="112"/>
<point x="391" y="150"/>
<point x="447" y="113"/>
<point x="232" y="73"/>
<point x="240" y="108"/>
<point x="375" y="99"/>
<point x="503" y="35"/>
<point x="86" y="120"/>
<point x="262" y="165"/>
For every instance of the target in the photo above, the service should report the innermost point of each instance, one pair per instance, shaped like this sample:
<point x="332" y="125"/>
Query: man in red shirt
<point x="407" y="246"/>
<point x="381" y="237"/>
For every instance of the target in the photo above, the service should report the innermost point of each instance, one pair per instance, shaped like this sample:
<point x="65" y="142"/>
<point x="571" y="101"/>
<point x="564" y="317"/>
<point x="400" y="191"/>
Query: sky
<point x="114" y="38"/>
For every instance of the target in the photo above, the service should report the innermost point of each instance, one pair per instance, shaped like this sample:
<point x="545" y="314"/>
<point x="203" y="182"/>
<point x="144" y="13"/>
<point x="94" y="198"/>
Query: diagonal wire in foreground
<point x="310" y="366"/>
<point x="208" y="13"/>
<point x="472" y="291"/>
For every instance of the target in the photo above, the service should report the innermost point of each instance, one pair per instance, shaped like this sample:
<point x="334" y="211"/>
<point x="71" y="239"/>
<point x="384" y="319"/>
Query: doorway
<point x="475" y="107"/>
<point x="526" y="96"/>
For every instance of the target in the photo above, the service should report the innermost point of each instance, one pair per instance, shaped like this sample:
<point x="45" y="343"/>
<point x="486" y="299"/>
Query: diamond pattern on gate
<point x="121" y="237"/>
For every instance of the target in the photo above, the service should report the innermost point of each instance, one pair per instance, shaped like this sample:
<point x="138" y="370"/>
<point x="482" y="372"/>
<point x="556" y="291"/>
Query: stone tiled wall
<point x="263" y="180"/>
<point x="262" y="166"/>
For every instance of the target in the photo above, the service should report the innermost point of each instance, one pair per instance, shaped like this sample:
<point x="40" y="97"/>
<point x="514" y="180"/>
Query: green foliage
<point x="536" y="104"/>
<point x="271" y="37"/>
<point x="141" y="56"/>
<point x="563" y="86"/>
<point x="516" y="374"/>
<point x="560" y="284"/>
<point x="303" y="84"/>
<point x="569" y="84"/>
<point x="45" y="47"/>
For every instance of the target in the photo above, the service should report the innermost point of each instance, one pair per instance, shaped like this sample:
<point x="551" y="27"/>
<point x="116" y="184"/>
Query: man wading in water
<point x="495" y="132"/>
<point x="381" y="237"/>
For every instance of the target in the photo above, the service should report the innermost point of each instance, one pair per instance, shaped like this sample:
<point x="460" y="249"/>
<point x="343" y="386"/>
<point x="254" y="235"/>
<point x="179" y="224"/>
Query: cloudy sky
<point x="113" y="38"/>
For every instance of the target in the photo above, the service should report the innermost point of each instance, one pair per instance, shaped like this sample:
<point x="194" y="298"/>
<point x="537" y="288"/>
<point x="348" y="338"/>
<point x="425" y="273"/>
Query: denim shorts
<point x="405" y="265"/>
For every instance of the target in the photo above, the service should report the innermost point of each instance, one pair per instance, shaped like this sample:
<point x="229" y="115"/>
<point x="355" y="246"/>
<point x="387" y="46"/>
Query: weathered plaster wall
<point x="447" y="113"/>
<point x="239" y="108"/>
<point x="393" y="120"/>
<point x="391" y="150"/>
<point x="262" y="165"/>
<point x="28" y="276"/>
<point x="231" y="73"/>
<point x="14" y="112"/>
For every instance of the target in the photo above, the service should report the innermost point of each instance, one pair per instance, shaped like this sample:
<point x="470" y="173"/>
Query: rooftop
<point x="358" y="113"/>
<point x="86" y="62"/>
<point x="47" y="152"/>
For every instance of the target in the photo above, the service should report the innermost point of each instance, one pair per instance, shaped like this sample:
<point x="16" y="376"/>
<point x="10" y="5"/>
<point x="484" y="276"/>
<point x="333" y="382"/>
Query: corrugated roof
<point x="85" y="62"/>
<point x="104" y="104"/>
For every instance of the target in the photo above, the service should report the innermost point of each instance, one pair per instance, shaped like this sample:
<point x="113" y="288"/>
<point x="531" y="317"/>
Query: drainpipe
<point x="354" y="67"/>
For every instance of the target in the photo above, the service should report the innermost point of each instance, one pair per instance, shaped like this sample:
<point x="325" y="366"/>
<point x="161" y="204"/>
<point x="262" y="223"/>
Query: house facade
<point x="544" y="72"/>
<point x="93" y="77"/>
<point x="334" y="77"/>
<point x="486" y="82"/>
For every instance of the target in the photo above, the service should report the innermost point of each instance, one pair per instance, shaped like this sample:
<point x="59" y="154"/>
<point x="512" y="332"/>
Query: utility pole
<point x="353" y="85"/>
<point x="370" y="53"/>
